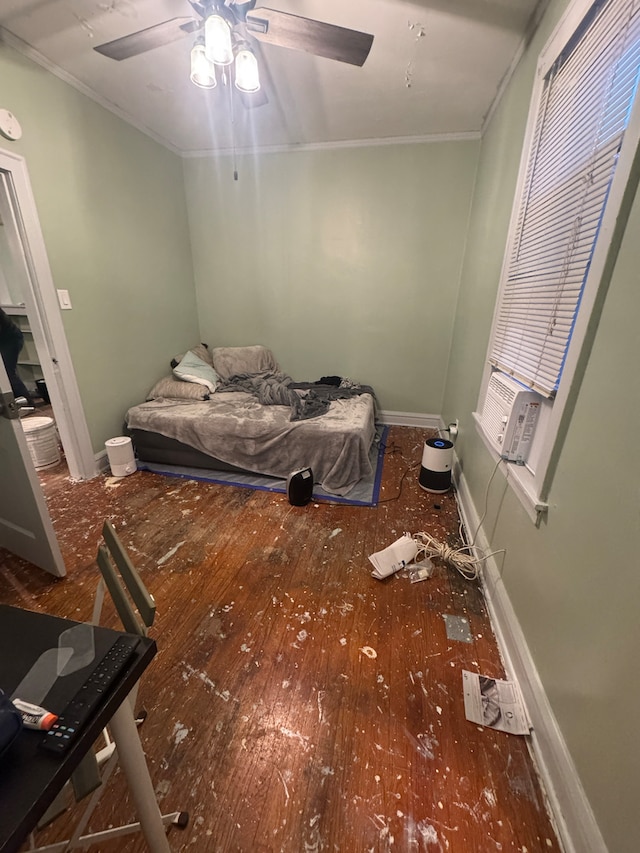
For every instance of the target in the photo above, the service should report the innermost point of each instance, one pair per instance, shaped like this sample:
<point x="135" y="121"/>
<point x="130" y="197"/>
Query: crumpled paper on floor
<point x="394" y="557"/>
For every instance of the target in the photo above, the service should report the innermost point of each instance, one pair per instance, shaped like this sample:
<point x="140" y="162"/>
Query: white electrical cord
<point x="486" y="501"/>
<point x="468" y="558"/>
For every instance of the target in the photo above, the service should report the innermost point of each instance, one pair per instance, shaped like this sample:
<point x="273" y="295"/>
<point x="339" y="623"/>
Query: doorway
<point x="27" y="288"/>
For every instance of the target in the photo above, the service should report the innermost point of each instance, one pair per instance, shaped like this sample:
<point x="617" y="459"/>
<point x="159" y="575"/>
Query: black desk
<point x="30" y="778"/>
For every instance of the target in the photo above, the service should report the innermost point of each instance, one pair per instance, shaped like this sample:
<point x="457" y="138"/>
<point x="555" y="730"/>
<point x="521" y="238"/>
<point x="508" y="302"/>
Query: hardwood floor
<point x="296" y="704"/>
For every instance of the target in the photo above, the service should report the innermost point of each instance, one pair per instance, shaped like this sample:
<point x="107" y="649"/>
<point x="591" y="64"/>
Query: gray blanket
<point x="305" y="399"/>
<point x="237" y="429"/>
<point x="270" y="389"/>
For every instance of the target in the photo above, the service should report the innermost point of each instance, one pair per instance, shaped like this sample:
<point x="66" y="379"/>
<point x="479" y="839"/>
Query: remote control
<point x="64" y="731"/>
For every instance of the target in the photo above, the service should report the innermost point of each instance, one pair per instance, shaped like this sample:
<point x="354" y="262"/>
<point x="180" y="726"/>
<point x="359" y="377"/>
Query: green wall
<point x="574" y="583"/>
<point x="112" y="210"/>
<point x="348" y="261"/>
<point x="343" y="261"/>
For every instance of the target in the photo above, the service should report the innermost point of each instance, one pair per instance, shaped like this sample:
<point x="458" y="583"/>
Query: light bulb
<point x="203" y="72"/>
<point x="217" y="40"/>
<point x="247" y="76"/>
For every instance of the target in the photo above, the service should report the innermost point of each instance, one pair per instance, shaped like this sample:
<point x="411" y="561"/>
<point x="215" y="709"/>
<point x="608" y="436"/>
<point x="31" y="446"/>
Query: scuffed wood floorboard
<point x="297" y="705"/>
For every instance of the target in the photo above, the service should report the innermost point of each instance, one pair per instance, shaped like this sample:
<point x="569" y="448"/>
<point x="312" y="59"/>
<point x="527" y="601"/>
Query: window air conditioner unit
<point x="509" y="417"/>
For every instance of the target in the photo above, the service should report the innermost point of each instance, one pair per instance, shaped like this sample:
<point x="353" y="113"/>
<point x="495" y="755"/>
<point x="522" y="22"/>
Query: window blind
<point x="584" y="109"/>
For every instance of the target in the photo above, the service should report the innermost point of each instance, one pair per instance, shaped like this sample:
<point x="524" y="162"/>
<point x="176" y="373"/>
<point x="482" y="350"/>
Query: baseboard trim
<point x="414" y="419"/>
<point x="102" y="462"/>
<point x="574" y="818"/>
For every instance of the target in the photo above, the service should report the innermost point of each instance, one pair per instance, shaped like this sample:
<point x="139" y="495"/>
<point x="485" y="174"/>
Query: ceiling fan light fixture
<point x="203" y="72"/>
<point x="217" y="40"/>
<point x="247" y="74"/>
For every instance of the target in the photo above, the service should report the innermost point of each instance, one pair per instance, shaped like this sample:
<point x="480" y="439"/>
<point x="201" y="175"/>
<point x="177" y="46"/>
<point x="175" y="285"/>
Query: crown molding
<point x="332" y="146"/>
<point x="29" y="52"/>
<point x="532" y="26"/>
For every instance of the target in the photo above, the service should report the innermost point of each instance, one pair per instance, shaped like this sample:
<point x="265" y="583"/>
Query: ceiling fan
<point x="238" y="23"/>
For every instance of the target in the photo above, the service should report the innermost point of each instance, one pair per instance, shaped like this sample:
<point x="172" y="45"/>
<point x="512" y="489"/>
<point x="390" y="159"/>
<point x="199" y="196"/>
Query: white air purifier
<point x="437" y="461"/>
<point x="120" y="455"/>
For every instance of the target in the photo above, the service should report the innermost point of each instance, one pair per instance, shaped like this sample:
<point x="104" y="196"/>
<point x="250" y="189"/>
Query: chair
<point x="136" y="609"/>
<point x="125" y="591"/>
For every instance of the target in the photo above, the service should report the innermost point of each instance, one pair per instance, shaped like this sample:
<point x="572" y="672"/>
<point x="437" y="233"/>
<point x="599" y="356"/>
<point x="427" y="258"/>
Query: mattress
<point x="154" y="447"/>
<point x="234" y="431"/>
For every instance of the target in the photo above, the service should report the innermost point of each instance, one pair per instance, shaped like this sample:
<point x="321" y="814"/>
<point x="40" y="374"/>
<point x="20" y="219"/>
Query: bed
<point x="252" y="417"/>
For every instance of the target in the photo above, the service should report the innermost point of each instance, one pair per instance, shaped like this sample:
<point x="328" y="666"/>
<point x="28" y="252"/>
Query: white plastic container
<point x="42" y="441"/>
<point x="120" y="454"/>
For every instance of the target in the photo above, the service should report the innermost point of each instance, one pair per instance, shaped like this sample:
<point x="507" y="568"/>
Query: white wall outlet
<point x="65" y="300"/>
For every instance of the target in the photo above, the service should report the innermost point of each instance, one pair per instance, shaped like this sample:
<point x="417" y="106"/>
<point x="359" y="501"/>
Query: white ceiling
<point x="435" y="68"/>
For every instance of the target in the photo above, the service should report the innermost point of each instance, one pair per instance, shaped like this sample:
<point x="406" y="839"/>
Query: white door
<point x="26" y="284"/>
<point x="25" y="525"/>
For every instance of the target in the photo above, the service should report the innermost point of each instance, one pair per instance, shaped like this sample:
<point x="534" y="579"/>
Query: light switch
<point x="65" y="300"/>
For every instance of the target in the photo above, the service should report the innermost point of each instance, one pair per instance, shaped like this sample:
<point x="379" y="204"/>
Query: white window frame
<point x="532" y="481"/>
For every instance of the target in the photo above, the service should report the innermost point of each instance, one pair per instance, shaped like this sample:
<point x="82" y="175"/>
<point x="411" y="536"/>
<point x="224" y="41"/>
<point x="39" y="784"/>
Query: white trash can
<point x="42" y="441"/>
<point x="120" y="455"/>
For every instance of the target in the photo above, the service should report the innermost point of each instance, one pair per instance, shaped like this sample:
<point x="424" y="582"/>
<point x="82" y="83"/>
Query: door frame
<point x="43" y="312"/>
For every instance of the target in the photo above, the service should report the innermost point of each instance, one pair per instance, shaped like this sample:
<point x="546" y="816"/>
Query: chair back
<point x="124" y="584"/>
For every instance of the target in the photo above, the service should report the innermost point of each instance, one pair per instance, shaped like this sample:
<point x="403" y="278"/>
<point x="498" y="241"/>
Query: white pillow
<point x="194" y="369"/>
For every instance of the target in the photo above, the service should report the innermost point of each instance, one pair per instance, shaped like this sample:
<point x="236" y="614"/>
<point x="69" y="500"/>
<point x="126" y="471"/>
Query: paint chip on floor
<point x="369" y="652"/>
<point x="180" y="732"/>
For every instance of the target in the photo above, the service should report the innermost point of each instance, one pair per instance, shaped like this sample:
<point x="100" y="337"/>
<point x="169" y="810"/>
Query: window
<point x="565" y="205"/>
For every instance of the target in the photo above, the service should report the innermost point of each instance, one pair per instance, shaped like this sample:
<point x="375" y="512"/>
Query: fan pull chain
<point x="233" y="134"/>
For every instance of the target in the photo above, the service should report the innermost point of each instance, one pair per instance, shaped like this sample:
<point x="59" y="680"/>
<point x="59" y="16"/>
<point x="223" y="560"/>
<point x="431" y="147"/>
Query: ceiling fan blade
<point x="149" y="38"/>
<point x="328" y="40"/>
